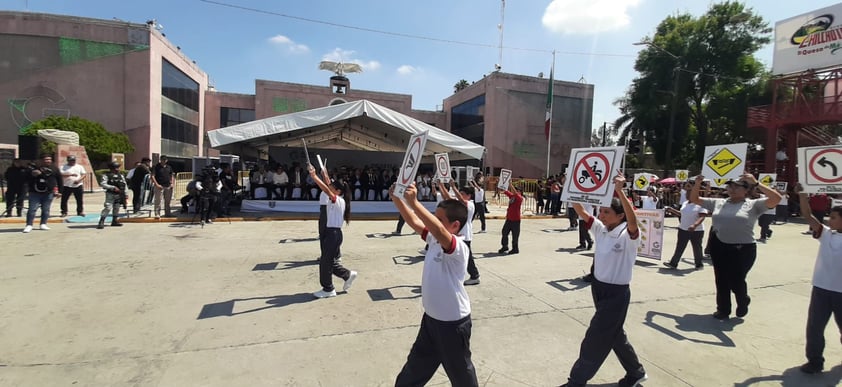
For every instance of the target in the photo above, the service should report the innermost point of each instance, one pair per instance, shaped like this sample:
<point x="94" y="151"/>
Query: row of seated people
<point x="367" y="184"/>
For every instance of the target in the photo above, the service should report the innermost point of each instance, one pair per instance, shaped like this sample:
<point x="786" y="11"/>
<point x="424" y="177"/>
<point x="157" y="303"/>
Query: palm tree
<point x="459" y="86"/>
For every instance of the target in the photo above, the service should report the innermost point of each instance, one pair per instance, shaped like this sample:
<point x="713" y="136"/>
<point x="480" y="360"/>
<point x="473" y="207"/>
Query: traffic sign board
<point x="443" y="167"/>
<point x="411" y="160"/>
<point x="724" y="161"/>
<point x="590" y="174"/>
<point x="820" y="169"/>
<point x="767" y="179"/>
<point x="682" y="175"/>
<point x="642" y="181"/>
<point x="505" y="179"/>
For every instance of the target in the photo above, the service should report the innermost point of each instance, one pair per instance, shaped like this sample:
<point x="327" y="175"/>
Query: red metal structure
<point x="802" y="105"/>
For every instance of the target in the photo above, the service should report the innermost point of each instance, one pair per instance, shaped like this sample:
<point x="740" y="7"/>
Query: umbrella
<point x="669" y="180"/>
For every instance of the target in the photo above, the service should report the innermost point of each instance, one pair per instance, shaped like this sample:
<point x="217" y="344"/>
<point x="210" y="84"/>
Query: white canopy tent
<point x="361" y="125"/>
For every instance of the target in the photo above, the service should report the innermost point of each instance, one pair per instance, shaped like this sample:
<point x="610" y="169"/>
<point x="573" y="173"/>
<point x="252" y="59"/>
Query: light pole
<point x="671" y="128"/>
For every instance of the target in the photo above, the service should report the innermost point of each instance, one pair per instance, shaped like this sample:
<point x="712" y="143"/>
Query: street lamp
<point x="671" y="129"/>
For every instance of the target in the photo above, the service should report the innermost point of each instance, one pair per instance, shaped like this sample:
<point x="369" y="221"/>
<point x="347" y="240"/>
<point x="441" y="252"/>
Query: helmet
<point x="114" y="165"/>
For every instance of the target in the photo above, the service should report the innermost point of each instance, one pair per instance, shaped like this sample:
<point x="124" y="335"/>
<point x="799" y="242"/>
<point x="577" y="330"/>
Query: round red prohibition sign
<point x="442" y="166"/>
<point x="598" y="177"/>
<point x="406" y="175"/>
<point x="813" y="162"/>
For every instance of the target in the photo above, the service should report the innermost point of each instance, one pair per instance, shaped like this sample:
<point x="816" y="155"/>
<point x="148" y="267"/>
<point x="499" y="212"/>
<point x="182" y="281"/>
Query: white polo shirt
<point x="649" y="203"/>
<point x="828" y="268"/>
<point x="442" y="292"/>
<point x="479" y="195"/>
<point x="690" y="213"/>
<point x="324" y="199"/>
<point x="335" y="212"/>
<point x="467" y="230"/>
<point x="614" y="252"/>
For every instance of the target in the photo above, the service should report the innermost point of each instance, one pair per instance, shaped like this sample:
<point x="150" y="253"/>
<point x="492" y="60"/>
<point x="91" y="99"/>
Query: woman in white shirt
<point x="691" y="228"/>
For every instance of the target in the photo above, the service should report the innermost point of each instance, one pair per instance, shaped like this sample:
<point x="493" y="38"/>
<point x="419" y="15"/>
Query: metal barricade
<point x="180" y="187"/>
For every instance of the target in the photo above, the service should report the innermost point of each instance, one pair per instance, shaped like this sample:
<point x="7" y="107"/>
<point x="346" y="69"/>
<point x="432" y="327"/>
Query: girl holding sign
<point x="617" y="238"/>
<point x="331" y="240"/>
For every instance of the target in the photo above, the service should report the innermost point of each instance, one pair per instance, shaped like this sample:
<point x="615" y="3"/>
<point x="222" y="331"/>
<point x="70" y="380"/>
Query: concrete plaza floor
<point x="175" y="304"/>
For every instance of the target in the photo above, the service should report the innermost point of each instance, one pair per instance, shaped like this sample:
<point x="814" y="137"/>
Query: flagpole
<point x="550" y="131"/>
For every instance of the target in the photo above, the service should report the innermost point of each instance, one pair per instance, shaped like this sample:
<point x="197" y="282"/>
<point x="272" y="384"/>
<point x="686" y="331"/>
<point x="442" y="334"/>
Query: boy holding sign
<point x="445" y="333"/>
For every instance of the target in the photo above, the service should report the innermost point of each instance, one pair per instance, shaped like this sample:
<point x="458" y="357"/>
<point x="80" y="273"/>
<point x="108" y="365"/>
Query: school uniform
<point x="584" y="236"/>
<point x="826" y="297"/>
<point x="445" y="332"/>
<point x="614" y="259"/>
<point x="467" y="234"/>
<point x="330" y="242"/>
<point x="479" y="203"/>
<point x="690" y="213"/>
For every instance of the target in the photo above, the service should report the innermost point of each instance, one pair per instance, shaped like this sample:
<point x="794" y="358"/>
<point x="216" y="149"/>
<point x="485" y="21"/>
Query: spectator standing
<point x="44" y="185"/>
<point x="479" y="203"/>
<point x="163" y="178"/>
<point x="73" y="183"/>
<point x="136" y="182"/>
<point x="16" y="176"/>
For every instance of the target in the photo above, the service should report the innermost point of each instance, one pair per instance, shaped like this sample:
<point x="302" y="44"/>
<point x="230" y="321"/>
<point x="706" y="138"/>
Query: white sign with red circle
<point x="820" y="169"/>
<point x="442" y="167"/>
<point x="411" y="160"/>
<point x="592" y="171"/>
<point x="505" y="179"/>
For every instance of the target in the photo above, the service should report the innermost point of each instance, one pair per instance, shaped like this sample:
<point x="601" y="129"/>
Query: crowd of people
<point x="449" y="266"/>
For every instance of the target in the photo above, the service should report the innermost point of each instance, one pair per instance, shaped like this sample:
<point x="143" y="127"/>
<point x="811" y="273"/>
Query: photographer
<point x="229" y="186"/>
<point x="114" y="184"/>
<point x="44" y="185"/>
<point x="206" y="192"/>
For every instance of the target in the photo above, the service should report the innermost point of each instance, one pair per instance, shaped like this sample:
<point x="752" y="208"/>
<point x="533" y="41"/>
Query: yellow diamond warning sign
<point x="766" y="180"/>
<point x="723" y="162"/>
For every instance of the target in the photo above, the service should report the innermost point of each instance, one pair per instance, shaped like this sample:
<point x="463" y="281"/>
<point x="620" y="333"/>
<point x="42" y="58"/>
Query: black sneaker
<point x="700" y="266"/>
<point x="590" y="244"/>
<point x="580" y="247"/>
<point x="503" y="250"/>
<point x="720" y="315"/>
<point x="588" y="278"/>
<point x="514" y="251"/>
<point x="742" y="310"/>
<point x="811" y="368"/>
<point x="670" y="265"/>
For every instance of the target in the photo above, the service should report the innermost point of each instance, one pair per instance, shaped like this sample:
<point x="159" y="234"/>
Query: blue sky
<point x="593" y="39"/>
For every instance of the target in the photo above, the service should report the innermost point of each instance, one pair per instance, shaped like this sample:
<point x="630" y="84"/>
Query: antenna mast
<point x="500" y="27"/>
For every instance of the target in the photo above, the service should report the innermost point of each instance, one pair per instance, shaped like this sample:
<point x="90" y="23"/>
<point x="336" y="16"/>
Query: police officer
<point x="114" y="184"/>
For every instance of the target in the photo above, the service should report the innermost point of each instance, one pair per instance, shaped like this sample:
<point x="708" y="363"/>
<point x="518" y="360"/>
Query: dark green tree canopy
<point x="705" y="66"/>
<point x="98" y="142"/>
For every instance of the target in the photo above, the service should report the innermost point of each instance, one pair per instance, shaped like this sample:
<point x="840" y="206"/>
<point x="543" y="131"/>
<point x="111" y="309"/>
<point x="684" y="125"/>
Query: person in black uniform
<point x="136" y="182"/>
<point x="15" y="187"/>
<point x="114" y="184"/>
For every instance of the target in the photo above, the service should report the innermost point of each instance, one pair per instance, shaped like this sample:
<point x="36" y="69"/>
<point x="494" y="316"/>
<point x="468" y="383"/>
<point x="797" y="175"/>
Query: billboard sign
<point x="809" y="41"/>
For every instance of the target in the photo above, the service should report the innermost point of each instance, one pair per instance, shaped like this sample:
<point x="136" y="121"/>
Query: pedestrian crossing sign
<point x="724" y="161"/>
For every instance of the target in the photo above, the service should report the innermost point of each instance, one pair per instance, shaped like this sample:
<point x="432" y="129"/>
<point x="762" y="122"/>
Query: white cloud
<point x="293" y="47"/>
<point x="584" y="17"/>
<point x="406" y="70"/>
<point x="347" y="56"/>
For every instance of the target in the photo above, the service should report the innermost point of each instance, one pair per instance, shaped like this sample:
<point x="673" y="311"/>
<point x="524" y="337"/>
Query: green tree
<point x="459" y="86"/>
<point x="706" y="68"/>
<point x="98" y="142"/>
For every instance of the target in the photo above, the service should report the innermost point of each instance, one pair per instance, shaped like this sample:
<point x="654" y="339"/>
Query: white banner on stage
<point x="651" y="226"/>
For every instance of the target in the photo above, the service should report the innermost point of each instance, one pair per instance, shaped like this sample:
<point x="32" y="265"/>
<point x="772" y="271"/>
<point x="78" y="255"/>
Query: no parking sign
<point x="411" y="160"/>
<point x="591" y="175"/>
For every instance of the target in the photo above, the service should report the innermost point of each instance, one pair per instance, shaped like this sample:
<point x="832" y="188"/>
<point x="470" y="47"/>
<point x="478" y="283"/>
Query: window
<point x="178" y="87"/>
<point x="468" y="120"/>
<point x="233" y="116"/>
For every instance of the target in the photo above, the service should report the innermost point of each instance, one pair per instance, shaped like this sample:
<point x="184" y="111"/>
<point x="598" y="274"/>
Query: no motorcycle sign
<point x="591" y="173"/>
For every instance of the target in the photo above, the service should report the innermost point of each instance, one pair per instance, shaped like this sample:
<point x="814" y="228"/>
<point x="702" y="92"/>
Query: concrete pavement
<point x="174" y="304"/>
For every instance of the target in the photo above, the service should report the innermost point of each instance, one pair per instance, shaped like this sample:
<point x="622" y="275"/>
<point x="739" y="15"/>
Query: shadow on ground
<point x="226" y="308"/>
